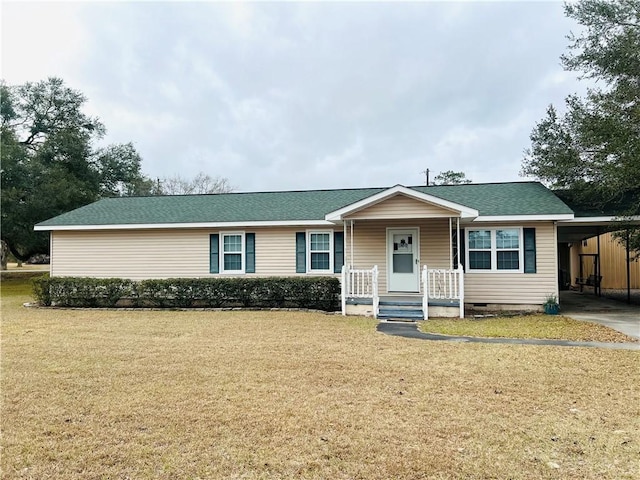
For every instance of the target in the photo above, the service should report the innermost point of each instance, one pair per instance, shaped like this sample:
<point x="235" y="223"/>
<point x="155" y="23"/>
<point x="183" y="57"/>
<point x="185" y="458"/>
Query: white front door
<point x="403" y="259"/>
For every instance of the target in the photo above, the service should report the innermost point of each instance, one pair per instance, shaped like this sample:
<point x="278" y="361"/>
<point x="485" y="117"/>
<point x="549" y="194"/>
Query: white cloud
<point x="41" y="40"/>
<point x="305" y="95"/>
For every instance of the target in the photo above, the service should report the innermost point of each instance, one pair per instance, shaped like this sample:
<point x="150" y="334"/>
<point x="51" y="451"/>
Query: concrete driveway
<point x="620" y="316"/>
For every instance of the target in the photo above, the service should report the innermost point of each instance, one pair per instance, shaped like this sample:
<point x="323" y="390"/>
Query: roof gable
<point x="385" y="195"/>
<point x="401" y="206"/>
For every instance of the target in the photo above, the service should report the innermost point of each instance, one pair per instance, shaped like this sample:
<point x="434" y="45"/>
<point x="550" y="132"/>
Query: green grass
<point x="96" y="394"/>
<point x="18" y="284"/>
<point x="526" y="326"/>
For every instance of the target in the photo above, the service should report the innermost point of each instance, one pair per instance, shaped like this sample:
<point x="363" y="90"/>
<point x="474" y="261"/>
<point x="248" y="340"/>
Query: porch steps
<point x="410" y="310"/>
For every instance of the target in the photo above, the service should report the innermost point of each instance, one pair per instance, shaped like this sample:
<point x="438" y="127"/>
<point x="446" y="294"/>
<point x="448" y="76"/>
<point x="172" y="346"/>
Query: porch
<point x="441" y="295"/>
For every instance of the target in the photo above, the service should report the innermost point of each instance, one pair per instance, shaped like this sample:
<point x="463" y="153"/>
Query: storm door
<point x="403" y="260"/>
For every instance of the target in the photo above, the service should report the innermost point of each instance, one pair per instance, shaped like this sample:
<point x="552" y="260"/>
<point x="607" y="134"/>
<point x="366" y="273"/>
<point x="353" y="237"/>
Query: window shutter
<point x="338" y="251"/>
<point x="214" y="250"/>
<point x="529" y="250"/>
<point x="301" y="252"/>
<point x="250" y="252"/>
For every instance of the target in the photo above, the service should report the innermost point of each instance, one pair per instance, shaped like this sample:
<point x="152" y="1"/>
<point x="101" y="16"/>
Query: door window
<point x="402" y="253"/>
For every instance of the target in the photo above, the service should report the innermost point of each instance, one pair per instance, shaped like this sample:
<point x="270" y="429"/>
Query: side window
<point x="320" y="252"/>
<point x="232" y="253"/>
<point x="479" y="249"/>
<point x="508" y="249"/>
<point x="495" y="250"/>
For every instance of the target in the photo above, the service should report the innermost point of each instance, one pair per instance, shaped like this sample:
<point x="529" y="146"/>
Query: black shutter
<point x="529" y="250"/>
<point x="301" y="252"/>
<point x="338" y="251"/>
<point x="250" y="252"/>
<point x="214" y="250"/>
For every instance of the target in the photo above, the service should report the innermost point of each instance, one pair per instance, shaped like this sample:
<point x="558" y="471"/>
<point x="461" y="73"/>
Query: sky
<point x="302" y="95"/>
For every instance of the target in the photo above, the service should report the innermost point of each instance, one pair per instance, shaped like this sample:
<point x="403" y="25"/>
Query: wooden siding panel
<point x="401" y="206"/>
<point x="613" y="262"/>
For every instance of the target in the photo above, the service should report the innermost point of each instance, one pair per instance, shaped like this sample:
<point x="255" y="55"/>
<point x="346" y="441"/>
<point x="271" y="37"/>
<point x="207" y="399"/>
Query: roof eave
<point x="601" y="220"/>
<point x="525" y="218"/>
<point x="217" y="225"/>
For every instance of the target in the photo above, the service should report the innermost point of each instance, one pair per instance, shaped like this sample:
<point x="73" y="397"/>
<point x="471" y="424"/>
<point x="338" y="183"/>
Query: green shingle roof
<point x="490" y="199"/>
<point x="499" y="199"/>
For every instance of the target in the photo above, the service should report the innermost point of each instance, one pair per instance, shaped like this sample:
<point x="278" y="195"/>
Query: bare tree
<point x="200" y="184"/>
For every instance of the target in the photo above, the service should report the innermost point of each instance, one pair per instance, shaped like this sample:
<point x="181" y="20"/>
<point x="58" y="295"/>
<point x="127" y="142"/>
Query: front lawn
<point x="525" y="326"/>
<point x="259" y="395"/>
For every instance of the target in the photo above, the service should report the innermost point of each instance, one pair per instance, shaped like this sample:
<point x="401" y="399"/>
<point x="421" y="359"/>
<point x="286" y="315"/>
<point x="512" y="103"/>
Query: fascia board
<point x="524" y="218"/>
<point x="148" y="226"/>
<point x="603" y="220"/>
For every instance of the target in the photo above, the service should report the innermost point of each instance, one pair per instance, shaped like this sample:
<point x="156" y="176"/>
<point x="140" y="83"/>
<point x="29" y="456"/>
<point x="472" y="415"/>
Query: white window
<point x="320" y="247"/>
<point x="495" y="249"/>
<point x="232" y="258"/>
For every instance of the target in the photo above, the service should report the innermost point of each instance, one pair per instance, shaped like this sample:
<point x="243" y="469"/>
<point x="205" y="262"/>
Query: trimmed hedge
<point x="319" y="293"/>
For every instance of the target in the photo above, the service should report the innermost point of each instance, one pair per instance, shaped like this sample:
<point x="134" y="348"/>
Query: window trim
<point x="330" y="251"/>
<point x="494" y="250"/>
<point x="243" y="253"/>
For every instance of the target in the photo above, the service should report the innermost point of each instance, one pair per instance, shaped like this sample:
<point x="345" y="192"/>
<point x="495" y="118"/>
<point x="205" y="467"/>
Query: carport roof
<point x="591" y="220"/>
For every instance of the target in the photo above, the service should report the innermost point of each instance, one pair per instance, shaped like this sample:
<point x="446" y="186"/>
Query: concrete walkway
<point x="614" y="314"/>
<point x="410" y="330"/>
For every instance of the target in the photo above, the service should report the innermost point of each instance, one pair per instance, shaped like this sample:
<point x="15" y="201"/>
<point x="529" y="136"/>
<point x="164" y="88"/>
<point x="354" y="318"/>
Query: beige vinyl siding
<point x="370" y="248"/>
<point x="163" y="253"/>
<point x="518" y="288"/>
<point x="370" y="244"/>
<point x="401" y="206"/>
<point x="276" y="251"/>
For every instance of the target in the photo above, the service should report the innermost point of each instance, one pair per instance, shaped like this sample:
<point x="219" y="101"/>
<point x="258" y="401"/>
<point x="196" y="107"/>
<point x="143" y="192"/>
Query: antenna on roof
<point x="426" y="174"/>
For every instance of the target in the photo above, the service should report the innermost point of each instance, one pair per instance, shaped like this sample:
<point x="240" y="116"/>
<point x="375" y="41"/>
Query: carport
<point x="571" y="234"/>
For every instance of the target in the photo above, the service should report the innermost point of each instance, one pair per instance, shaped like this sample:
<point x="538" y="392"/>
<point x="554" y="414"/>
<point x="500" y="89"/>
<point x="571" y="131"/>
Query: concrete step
<point x="401" y="303"/>
<point x="403" y="313"/>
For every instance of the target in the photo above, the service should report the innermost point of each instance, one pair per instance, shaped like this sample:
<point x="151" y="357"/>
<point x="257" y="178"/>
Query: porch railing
<point x="360" y="283"/>
<point x="442" y="284"/>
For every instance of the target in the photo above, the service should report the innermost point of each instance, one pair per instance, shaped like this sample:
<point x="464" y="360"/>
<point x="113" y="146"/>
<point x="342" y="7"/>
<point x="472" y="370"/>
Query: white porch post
<point x="461" y="288"/>
<point x="345" y="289"/>
<point x="425" y="293"/>
<point x="458" y="242"/>
<point x="344" y="240"/>
<point x="351" y="249"/>
<point x="450" y="244"/>
<point x="376" y="297"/>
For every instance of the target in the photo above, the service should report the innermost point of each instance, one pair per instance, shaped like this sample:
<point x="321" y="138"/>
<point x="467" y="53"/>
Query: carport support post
<point x="628" y="267"/>
<point x="598" y="286"/>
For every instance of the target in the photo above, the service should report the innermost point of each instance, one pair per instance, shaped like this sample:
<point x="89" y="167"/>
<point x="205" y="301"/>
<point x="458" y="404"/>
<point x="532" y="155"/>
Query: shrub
<point x="321" y="293"/>
<point x="42" y="290"/>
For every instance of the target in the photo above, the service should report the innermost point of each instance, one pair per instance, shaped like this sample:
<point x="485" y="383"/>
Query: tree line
<point x="51" y="164"/>
<point x="589" y="153"/>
